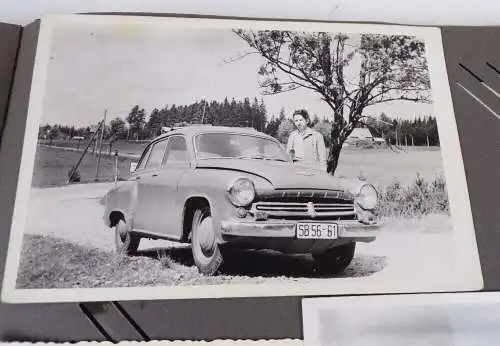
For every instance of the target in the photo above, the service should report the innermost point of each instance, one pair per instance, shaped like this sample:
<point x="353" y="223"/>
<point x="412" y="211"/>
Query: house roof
<point x="360" y="133"/>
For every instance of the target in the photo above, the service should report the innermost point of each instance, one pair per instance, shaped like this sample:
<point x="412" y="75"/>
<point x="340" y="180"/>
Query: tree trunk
<point x="333" y="156"/>
<point x="337" y="140"/>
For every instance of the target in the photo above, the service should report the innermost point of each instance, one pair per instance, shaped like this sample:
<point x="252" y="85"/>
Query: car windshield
<point x="230" y="145"/>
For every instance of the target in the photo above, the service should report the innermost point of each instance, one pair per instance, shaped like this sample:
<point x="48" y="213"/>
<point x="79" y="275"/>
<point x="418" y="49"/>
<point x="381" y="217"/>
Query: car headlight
<point x="241" y="192"/>
<point x="367" y="197"/>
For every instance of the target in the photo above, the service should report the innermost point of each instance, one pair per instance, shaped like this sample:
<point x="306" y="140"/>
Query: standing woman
<point x="305" y="145"/>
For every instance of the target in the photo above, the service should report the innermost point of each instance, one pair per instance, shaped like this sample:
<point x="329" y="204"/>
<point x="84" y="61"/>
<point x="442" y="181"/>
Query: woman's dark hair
<point x="303" y="113"/>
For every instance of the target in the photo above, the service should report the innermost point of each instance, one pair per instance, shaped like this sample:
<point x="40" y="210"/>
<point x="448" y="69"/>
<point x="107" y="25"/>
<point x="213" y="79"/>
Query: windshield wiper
<point x="256" y="156"/>
<point x="277" y="159"/>
<point x="261" y="157"/>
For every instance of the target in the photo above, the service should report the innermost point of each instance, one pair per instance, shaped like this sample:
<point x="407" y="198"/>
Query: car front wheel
<point x="335" y="260"/>
<point x="206" y="253"/>
<point x="126" y="242"/>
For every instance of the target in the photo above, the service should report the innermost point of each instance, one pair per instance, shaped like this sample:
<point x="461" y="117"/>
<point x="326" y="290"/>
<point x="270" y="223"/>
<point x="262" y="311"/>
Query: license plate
<point x="317" y="230"/>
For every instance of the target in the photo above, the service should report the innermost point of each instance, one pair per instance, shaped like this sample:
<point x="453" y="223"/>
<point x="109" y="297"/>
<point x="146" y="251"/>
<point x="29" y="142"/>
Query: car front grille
<point x="309" y="210"/>
<point x="306" y="195"/>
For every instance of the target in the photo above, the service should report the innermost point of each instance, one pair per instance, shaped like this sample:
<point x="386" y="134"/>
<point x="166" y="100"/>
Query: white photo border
<point x="311" y="307"/>
<point x="464" y="240"/>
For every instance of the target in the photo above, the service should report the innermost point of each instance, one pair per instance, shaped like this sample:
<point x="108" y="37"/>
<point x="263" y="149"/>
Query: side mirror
<point x="133" y="166"/>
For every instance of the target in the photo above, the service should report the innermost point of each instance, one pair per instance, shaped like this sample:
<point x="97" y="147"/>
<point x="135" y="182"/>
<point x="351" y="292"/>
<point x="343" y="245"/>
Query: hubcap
<point x="206" y="236"/>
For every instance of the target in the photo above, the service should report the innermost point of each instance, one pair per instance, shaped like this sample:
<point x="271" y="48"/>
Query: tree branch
<point x="281" y="91"/>
<point x="388" y="90"/>
<point x="401" y="98"/>
<point x="237" y="58"/>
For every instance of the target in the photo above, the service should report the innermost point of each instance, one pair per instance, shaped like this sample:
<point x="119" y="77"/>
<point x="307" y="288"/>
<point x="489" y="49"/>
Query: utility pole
<point x="74" y="169"/>
<point x="203" y="114"/>
<point x="100" y="145"/>
<point x="116" y="166"/>
<point x="94" y="149"/>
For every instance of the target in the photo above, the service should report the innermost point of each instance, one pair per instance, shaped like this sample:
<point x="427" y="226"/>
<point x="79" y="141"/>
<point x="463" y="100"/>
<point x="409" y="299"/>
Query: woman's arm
<point x="290" y="147"/>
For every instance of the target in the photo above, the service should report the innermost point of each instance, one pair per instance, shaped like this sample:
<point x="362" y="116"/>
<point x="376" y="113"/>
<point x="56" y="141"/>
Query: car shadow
<point x="268" y="263"/>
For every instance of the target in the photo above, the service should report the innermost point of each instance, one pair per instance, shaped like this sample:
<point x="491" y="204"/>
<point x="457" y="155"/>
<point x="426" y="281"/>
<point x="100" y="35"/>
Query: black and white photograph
<point x="174" y="158"/>
<point x="448" y="319"/>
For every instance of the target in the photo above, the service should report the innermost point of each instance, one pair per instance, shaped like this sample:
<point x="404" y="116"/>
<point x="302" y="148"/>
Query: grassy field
<point x="77" y="266"/>
<point x="80" y="266"/>
<point x="52" y="166"/>
<point x="123" y="147"/>
<point x="381" y="166"/>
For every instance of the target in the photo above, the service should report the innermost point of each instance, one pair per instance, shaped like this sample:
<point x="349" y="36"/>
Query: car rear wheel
<point x="206" y="252"/>
<point x="126" y="242"/>
<point x="335" y="260"/>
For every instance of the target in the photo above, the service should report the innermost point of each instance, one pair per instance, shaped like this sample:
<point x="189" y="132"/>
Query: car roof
<point x="193" y="130"/>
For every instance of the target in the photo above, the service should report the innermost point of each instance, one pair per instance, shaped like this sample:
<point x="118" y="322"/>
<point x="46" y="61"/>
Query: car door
<point x="176" y="162"/>
<point x="159" y="188"/>
<point x="145" y="217"/>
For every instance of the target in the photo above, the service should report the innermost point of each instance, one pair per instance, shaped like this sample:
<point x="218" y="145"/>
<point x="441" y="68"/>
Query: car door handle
<point x="137" y="178"/>
<point x="154" y="175"/>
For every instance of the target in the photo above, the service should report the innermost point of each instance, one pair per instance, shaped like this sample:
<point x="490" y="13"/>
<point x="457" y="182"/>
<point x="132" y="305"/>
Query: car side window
<point x="155" y="158"/>
<point x="144" y="158"/>
<point x="176" y="151"/>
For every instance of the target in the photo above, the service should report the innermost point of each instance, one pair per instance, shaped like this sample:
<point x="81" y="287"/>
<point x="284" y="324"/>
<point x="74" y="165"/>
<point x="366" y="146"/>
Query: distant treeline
<point x="419" y="131"/>
<point x="243" y="113"/>
<point x="135" y="126"/>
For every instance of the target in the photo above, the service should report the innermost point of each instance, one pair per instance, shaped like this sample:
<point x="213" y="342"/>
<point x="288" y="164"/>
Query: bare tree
<point x="390" y="68"/>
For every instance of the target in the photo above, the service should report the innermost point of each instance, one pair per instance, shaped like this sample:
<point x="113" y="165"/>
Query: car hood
<point x="282" y="175"/>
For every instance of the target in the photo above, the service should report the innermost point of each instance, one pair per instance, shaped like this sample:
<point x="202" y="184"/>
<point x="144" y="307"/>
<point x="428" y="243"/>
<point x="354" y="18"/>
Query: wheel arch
<point x="190" y="205"/>
<point x="115" y="216"/>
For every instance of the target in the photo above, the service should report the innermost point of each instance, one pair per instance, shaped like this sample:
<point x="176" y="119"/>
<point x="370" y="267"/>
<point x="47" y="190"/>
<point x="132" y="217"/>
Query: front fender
<point x="212" y="185"/>
<point x="121" y="198"/>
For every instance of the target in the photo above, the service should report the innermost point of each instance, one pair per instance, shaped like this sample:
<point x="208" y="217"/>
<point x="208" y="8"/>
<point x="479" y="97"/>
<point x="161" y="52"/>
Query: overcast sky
<point x="103" y="66"/>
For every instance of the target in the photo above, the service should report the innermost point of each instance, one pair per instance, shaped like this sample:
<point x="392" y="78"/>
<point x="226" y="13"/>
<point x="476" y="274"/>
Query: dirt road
<point x="404" y="248"/>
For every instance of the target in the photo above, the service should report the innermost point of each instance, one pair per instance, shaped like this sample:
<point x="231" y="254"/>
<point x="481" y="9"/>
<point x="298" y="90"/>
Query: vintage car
<point x="221" y="188"/>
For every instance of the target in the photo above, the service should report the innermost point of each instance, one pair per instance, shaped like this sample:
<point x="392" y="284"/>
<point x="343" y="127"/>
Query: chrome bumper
<point x="347" y="229"/>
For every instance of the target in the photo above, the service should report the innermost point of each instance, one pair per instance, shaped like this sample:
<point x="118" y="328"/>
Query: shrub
<point x="413" y="201"/>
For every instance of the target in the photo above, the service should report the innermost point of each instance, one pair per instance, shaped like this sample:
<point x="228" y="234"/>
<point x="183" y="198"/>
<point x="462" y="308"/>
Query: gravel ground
<point x="405" y="248"/>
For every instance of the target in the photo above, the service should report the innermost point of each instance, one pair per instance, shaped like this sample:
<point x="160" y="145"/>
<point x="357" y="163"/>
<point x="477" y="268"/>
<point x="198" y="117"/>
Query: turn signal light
<point x="241" y="212"/>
